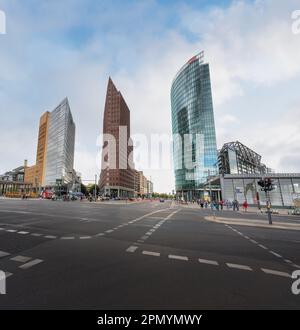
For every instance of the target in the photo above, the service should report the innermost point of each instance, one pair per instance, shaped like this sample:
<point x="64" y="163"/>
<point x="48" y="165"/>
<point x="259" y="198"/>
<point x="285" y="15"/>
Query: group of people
<point x="219" y="205"/>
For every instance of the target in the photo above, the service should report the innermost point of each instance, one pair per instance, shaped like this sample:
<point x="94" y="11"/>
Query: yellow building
<point x="36" y="174"/>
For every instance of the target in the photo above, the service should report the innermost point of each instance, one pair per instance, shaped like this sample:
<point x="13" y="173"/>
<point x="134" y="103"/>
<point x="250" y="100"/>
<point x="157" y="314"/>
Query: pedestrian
<point x="237" y="205"/>
<point x="245" y="206"/>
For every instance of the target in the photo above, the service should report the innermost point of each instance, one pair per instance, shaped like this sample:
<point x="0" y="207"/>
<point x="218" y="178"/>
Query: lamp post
<point x="95" y="190"/>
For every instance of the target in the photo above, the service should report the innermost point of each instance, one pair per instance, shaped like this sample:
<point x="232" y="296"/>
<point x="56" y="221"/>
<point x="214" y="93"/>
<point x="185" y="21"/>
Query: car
<point x="161" y="200"/>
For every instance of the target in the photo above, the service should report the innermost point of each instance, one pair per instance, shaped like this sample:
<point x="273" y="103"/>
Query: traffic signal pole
<point x="267" y="186"/>
<point x="269" y="206"/>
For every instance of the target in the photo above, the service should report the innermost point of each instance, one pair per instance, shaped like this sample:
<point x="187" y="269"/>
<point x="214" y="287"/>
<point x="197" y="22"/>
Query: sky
<point x="53" y="49"/>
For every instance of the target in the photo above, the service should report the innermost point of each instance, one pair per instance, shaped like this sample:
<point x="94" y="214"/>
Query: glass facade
<point x="192" y="113"/>
<point x="245" y="187"/>
<point x="60" y="145"/>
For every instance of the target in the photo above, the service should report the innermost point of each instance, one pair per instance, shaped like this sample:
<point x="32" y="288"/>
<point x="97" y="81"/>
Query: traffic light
<point x="266" y="184"/>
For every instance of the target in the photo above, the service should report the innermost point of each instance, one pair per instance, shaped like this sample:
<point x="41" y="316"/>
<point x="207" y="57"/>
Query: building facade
<point x="195" y="157"/>
<point x="117" y="175"/>
<point x="55" y="149"/>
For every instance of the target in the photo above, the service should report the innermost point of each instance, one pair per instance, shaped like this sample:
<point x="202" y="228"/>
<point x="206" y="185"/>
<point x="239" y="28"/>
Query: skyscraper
<point x="55" y="150"/>
<point x="117" y="176"/>
<point x="192" y="116"/>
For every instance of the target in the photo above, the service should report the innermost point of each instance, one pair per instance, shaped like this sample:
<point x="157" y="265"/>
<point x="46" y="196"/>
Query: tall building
<point x="117" y="174"/>
<point x="55" y="149"/>
<point x="195" y="156"/>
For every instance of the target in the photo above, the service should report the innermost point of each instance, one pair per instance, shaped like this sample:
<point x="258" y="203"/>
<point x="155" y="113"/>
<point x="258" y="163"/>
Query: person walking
<point x="245" y="206"/>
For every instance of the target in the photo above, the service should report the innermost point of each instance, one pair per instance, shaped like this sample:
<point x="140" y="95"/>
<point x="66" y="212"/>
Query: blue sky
<point x="54" y="49"/>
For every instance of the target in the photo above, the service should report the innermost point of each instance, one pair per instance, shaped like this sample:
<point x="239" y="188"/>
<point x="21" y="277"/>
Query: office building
<point x="117" y="175"/>
<point x="195" y="157"/>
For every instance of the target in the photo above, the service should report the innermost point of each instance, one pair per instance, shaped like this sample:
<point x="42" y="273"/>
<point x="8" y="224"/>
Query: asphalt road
<point x="77" y="255"/>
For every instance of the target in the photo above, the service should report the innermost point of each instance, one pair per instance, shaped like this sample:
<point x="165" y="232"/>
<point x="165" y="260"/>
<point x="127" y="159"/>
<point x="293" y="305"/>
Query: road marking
<point x="21" y="259"/>
<point x="153" y="230"/>
<point x="296" y="266"/>
<point x="275" y="272"/>
<point x="31" y="263"/>
<point x="2" y="229"/>
<point x="50" y="237"/>
<point x="4" y="254"/>
<point x="85" y="237"/>
<point x="263" y="247"/>
<point x="140" y="241"/>
<point x="209" y="262"/>
<point x="67" y="237"/>
<point x="288" y="261"/>
<point x="132" y="249"/>
<point x="243" y="267"/>
<point x="109" y="231"/>
<point x="36" y="234"/>
<point x="253" y="241"/>
<point x="100" y="234"/>
<point x="7" y="274"/>
<point x="144" y="237"/>
<point x="11" y="230"/>
<point x="149" y="253"/>
<point x="246" y="237"/>
<point x="172" y="256"/>
<point x="149" y="233"/>
<point x="23" y="232"/>
<point x="276" y="254"/>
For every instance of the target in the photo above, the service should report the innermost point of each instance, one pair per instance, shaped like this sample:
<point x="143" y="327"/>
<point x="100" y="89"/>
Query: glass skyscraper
<point x="194" y="148"/>
<point x="60" y="145"/>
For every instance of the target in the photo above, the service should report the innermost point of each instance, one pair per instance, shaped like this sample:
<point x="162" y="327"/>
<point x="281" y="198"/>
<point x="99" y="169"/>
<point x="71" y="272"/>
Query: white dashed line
<point x="21" y="259"/>
<point x="149" y="233"/>
<point x="36" y="234"/>
<point x="275" y="254"/>
<point x="208" y="262"/>
<point x="253" y="241"/>
<point x="31" y="263"/>
<point x="149" y="253"/>
<point x="100" y="234"/>
<point x="4" y="254"/>
<point x="262" y="246"/>
<point x="67" y="237"/>
<point x="275" y="272"/>
<point x="132" y="249"/>
<point x="172" y="256"/>
<point x="85" y="237"/>
<point x="50" y="237"/>
<point x="7" y="274"/>
<point x="144" y="237"/>
<point x="288" y="261"/>
<point x="109" y="231"/>
<point x="23" y="232"/>
<point x="11" y="230"/>
<point x="236" y="266"/>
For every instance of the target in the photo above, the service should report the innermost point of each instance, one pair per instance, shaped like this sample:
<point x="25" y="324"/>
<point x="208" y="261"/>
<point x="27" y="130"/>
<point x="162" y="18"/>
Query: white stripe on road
<point x="7" y="274"/>
<point x="100" y="234"/>
<point x="275" y="254"/>
<point x="253" y="241"/>
<point x="144" y="237"/>
<point x="149" y="233"/>
<point x="23" y="232"/>
<point x="263" y="247"/>
<point x="132" y="249"/>
<point x="149" y="253"/>
<point x="11" y="230"/>
<point x="4" y="254"/>
<point x="172" y="256"/>
<point x="50" y="237"/>
<point x="208" y="262"/>
<point x="67" y="237"/>
<point x="85" y="237"/>
<point x="288" y="261"/>
<point x="36" y="234"/>
<point x="275" y="272"/>
<point x="236" y="266"/>
<point x="31" y="263"/>
<point x="21" y="259"/>
<point x="109" y="231"/>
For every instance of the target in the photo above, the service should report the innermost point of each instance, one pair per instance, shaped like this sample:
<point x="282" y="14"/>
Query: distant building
<point x="240" y="170"/>
<point x="192" y="114"/>
<point x="55" y="149"/>
<point x="12" y="183"/>
<point x="149" y="187"/>
<point x="117" y="175"/>
<point x="236" y="158"/>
